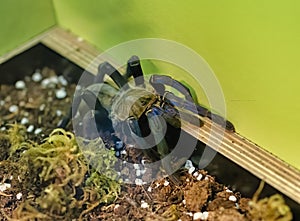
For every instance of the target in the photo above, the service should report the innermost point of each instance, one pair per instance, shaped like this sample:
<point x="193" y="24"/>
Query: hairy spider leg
<point x="134" y="69"/>
<point x="162" y="80"/>
<point x="102" y="120"/>
<point x="156" y="128"/>
<point x="200" y="110"/>
<point x="101" y="117"/>
<point x="189" y="103"/>
<point x="136" y="134"/>
<point x="154" y="115"/>
<point x="158" y="81"/>
<point x="104" y="68"/>
<point x="107" y="68"/>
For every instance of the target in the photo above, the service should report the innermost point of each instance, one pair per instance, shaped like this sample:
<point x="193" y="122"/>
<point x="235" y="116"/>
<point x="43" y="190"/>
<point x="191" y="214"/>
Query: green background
<point x="20" y="20"/>
<point x="253" y="46"/>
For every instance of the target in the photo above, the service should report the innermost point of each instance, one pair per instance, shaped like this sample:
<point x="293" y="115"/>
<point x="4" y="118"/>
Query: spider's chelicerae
<point x="130" y="111"/>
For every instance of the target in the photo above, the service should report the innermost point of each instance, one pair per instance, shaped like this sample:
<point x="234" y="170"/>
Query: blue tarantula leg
<point x="96" y="124"/>
<point x="107" y="68"/>
<point x="166" y="80"/>
<point x="135" y="132"/>
<point x="134" y="69"/>
<point x="154" y="118"/>
<point x="103" y="122"/>
<point x="200" y="110"/>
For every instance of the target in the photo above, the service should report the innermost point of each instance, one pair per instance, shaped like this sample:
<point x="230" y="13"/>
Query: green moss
<point x="271" y="208"/>
<point x="58" y="176"/>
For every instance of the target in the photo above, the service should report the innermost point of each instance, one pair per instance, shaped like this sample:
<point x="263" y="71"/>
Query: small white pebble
<point x="117" y="206"/>
<point x="2" y="102"/>
<point x="149" y="189"/>
<point x="232" y="198"/>
<point x="166" y="183"/>
<point x="60" y="93"/>
<point x="42" y="107"/>
<point x="123" y="152"/>
<point x="136" y="166"/>
<point x="188" y="164"/>
<point x="195" y="174"/>
<point x="157" y="185"/>
<point x="4" y="186"/>
<point x="45" y="83"/>
<point x="38" y="130"/>
<point x="24" y="120"/>
<point x="36" y="77"/>
<point x="228" y="191"/>
<point x="53" y="80"/>
<point x="143" y="161"/>
<point x="138" y="182"/>
<point x="184" y="202"/>
<point x="13" y="108"/>
<point x="19" y="196"/>
<point x="237" y="206"/>
<point x="199" y="177"/>
<point x="191" y="170"/>
<point x="58" y="113"/>
<point x="206" y="178"/>
<point x="144" y="204"/>
<point x="11" y="177"/>
<point x="62" y="80"/>
<point x="197" y="216"/>
<point x="137" y="172"/>
<point x="20" y="85"/>
<point x="19" y="178"/>
<point x="3" y="128"/>
<point x="30" y="128"/>
<point x="189" y="213"/>
<point x="205" y="215"/>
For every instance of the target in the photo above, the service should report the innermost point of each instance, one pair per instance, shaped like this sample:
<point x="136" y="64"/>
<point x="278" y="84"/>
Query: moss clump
<point x="57" y="176"/>
<point x="271" y="208"/>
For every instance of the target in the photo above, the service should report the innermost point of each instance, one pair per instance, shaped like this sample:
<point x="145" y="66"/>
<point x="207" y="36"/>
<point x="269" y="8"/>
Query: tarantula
<point x="127" y="113"/>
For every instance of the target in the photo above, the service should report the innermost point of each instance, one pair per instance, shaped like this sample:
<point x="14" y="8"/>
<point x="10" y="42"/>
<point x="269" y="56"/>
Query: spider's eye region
<point x="144" y="101"/>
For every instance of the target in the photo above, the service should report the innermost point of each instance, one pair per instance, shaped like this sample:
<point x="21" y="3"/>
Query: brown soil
<point x="199" y="197"/>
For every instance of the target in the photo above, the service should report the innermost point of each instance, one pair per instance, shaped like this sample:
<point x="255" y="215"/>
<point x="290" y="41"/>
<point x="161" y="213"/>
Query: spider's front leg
<point x="155" y="123"/>
<point x="155" y="116"/>
<point x="159" y="82"/>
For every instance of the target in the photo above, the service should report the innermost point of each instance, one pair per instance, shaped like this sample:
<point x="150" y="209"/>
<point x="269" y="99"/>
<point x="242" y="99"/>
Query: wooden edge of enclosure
<point x="235" y="147"/>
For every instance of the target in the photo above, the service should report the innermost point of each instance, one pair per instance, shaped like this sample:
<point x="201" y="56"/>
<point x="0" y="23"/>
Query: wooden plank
<point x="235" y="147"/>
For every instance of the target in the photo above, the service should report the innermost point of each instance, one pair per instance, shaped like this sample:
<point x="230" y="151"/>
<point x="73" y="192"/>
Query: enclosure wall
<point x="21" y="20"/>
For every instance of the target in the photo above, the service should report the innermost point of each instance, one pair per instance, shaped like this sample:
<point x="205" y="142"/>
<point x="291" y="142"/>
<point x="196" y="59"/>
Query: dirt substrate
<point x="38" y="103"/>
